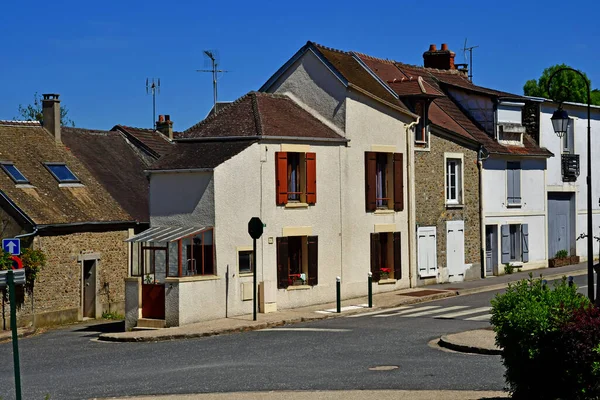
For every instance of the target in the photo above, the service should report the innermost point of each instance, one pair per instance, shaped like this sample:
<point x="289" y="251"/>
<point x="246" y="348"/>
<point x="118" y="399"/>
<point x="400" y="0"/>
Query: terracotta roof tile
<point x="29" y="147"/>
<point x="114" y="163"/>
<point x="261" y="114"/>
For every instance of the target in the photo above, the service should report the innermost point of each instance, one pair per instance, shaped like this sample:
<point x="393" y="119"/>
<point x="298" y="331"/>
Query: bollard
<point x="570" y="281"/>
<point x="370" y="290"/>
<point x="338" y="287"/>
<point x="544" y="284"/>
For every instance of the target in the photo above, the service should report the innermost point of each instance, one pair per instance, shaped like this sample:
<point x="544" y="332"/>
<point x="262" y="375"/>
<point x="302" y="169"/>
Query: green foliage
<point x="5" y="261"/>
<point x="566" y="86"/>
<point x="33" y="262"/>
<point x="112" y="315"/>
<point x="33" y="112"/>
<point x="509" y="268"/>
<point x="561" y="254"/>
<point x="524" y="317"/>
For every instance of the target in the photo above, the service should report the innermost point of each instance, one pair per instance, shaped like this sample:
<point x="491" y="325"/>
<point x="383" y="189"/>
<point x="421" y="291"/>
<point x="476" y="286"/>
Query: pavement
<point x="338" y="395"/>
<point x="481" y="341"/>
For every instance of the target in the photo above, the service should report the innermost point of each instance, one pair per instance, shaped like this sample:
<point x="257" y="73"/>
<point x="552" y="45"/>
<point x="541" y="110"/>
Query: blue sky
<point x="97" y="55"/>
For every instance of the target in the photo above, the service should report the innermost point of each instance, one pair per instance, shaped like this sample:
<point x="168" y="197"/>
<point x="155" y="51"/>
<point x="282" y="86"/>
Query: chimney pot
<point x="161" y="118"/>
<point x="432" y="47"/>
<point x="443" y="59"/>
<point x="167" y="117"/>
<point x="51" y="114"/>
<point x="444" y="46"/>
<point x="165" y="125"/>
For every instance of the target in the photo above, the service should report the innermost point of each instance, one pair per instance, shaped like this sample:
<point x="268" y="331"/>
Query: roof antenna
<point x="153" y="88"/>
<point x="470" y="50"/>
<point x="213" y="56"/>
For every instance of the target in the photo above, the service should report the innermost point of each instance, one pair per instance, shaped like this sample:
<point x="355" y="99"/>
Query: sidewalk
<point x="312" y="313"/>
<point x="337" y="395"/>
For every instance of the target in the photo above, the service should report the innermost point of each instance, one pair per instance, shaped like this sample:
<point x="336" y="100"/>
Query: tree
<point x="33" y="112"/>
<point x="566" y="86"/>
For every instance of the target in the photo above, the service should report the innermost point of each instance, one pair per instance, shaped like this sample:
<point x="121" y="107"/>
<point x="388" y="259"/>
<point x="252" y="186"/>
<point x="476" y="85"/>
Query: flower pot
<point x="574" y="259"/>
<point x="383" y="276"/>
<point x="559" y="262"/>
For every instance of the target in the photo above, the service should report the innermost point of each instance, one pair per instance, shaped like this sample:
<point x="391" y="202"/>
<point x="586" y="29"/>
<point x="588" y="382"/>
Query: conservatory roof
<point x="166" y="233"/>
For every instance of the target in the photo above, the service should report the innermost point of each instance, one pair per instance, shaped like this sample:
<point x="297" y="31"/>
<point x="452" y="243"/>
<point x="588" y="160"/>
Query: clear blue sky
<point x="97" y="55"/>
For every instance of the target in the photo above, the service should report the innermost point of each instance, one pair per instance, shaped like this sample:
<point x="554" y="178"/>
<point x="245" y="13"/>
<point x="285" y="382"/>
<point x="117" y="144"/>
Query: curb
<point x="463" y="348"/>
<point x="20" y="335"/>
<point x="448" y="293"/>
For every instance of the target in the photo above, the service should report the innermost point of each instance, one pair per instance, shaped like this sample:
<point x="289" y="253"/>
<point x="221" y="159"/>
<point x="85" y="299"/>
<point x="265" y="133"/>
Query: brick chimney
<point x="165" y="126"/>
<point x="51" y="114"/>
<point x="440" y="59"/>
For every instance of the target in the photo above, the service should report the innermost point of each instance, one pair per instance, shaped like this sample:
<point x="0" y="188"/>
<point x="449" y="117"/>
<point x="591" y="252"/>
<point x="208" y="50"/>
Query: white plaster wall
<point x="538" y="244"/>
<point x="181" y="199"/>
<point x="369" y="123"/>
<point x="533" y="190"/>
<point x="315" y="85"/>
<point x="236" y="204"/>
<point x="553" y="143"/>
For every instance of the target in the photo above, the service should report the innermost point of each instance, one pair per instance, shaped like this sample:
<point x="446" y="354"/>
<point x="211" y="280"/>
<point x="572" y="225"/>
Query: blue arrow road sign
<point x="12" y="246"/>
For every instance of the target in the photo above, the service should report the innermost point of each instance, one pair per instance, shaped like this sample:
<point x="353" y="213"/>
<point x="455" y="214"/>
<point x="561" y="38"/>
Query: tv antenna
<point x="153" y="87"/>
<point x="213" y="57"/>
<point x="470" y="50"/>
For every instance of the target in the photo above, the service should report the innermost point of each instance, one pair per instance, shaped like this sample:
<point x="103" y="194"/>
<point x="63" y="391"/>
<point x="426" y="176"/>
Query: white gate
<point x="427" y="255"/>
<point x="455" y="250"/>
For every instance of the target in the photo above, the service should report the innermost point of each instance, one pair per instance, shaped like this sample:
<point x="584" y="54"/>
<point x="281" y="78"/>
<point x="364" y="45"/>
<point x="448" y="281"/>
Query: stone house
<point x="53" y="202"/>
<point x="271" y="156"/>
<point x="565" y="177"/>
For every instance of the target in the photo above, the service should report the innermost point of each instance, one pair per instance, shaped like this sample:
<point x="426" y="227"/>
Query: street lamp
<point x="560" y="124"/>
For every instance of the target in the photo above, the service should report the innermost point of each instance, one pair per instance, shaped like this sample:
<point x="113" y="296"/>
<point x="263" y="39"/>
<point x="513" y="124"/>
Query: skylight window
<point x="61" y="172"/>
<point x="14" y="172"/>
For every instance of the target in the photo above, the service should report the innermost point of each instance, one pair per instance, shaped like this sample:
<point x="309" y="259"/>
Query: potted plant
<point x="384" y="273"/>
<point x="561" y="258"/>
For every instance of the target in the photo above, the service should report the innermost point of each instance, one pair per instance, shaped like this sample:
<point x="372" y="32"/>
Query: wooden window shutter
<point x="371" y="180"/>
<point x="398" y="182"/>
<point x="505" y="243"/>
<point x="311" y="178"/>
<point x="397" y="256"/>
<point x="525" y="242"/>
<point x="313" y="260"/>
<point x="375" y="256"/>
<point x="283" y="266"/>
<point x="281" y="183"/>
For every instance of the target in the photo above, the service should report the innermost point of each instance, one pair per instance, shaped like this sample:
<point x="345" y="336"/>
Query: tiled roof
<point x="29" y="146"/>
<point x="152" y="140"/>
<point x="209" y="154"/>
<point x="114" y="163"/>
<point x="354" y="73"/>
<point x="261" y="114"/>
<point x="443" y="111"/>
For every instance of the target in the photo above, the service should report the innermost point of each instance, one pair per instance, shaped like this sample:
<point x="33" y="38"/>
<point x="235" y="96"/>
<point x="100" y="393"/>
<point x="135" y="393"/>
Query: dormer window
<point x="14" y="173"/>
<point x="421" y="130"/>
<point x="61" y="172"/>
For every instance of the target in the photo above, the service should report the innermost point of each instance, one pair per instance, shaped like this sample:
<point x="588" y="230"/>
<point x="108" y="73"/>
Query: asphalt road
<point x="331" y="354"/>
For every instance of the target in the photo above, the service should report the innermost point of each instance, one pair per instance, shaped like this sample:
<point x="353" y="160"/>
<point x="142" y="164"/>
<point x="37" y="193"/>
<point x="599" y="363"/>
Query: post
<point x="338" y="289"/>
<point x="590" y="238"/>
<point x="10" y="277"/>
<point x="370" y="290"/>
<point x="570" y="281"/>
<point x="254" y="284"/>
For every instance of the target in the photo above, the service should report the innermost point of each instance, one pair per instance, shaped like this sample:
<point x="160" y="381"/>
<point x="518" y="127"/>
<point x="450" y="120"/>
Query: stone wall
<point x="57" y="296"/>
<point x="431" y="209"/>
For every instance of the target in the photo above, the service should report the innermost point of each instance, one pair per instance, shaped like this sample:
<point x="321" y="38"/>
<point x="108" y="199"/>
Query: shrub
<point x="525" y="317"/>
<point x="561" y="254"/>
<point x="33" y="262"/>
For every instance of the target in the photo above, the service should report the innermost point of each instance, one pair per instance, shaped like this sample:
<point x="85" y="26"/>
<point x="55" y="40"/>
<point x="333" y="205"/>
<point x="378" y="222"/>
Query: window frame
<point x="48" y="166"/>
<point x="382" y="182"/>
<point x="567" y="142"/>
<point x="422" y="128"/>
<point x="306" y="248"/>
<point x="3" y="164"/>
<point x="515" y="240"/>
<point x="250" y="252"/>
<point x="458" y="159"/>
<point x="299" y="167"/>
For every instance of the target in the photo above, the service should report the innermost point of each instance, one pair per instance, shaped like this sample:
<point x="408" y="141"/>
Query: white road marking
<point x="581" y="287"/>
<point x="303" y="330"/>
<point x="484" y="317"/>
<point x="346" y="308"/>
<point x="406" y="311"/>
<point x="420" y="314"/>
<point x="378" y="312"/>
<point x="464" y="312"/>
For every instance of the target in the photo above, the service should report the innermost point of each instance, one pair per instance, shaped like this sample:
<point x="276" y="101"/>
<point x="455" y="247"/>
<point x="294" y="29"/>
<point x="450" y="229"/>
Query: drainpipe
<point x="35" y="230"/>
<point x="410" y="160"/>
<point x="480" y="159"/>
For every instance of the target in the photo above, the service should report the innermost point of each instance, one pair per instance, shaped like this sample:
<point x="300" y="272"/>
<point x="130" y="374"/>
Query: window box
<point x="559" y="262"/>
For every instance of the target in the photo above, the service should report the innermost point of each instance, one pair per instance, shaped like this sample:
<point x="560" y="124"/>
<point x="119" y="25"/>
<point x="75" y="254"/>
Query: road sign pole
<point x="10" y="277"/>
<point x="254" y="274"/>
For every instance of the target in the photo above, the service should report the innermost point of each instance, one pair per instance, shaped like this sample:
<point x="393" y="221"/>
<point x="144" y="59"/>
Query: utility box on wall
<point x="267" y="297"/>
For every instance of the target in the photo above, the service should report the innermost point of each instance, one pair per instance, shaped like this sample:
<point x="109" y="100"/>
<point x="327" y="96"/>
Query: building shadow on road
<point x="103" y="327"/>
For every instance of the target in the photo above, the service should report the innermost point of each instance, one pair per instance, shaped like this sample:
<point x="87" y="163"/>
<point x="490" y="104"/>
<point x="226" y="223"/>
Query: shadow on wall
<point x="179" y="193"/>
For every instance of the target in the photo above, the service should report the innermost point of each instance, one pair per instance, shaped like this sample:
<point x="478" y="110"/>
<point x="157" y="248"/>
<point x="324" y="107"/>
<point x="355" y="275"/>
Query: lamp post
<point x="560" y="124"/>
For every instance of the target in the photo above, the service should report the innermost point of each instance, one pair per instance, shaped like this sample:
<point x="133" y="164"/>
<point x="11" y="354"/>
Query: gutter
<point x="380" y="100"/>
<point x="263" y="137"/>
<point x="412" y="251"/>
<point x="183" y="170"/>
<point x="483" y="250"/>
<point x="83" y="224"/>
